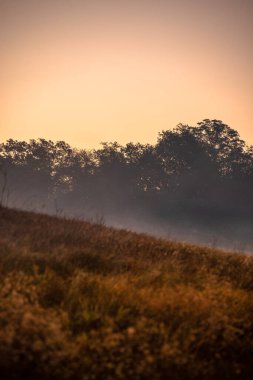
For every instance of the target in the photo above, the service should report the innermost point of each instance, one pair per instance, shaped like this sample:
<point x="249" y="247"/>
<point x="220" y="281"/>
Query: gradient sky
<point x="98" y="70"/>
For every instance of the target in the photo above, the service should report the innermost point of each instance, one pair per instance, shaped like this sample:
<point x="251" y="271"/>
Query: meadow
<point x="84" y="301"/>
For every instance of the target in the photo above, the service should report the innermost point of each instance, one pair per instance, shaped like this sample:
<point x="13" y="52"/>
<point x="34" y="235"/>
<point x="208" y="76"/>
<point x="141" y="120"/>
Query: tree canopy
<point x="197" y="172"/>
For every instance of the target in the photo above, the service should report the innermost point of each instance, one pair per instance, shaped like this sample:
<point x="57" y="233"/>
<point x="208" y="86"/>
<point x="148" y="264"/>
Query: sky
<point x="123" y="70"/>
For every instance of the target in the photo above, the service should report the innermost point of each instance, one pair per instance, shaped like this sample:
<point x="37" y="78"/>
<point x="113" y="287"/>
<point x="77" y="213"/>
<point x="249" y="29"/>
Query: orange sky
<point x="92" y="71"/>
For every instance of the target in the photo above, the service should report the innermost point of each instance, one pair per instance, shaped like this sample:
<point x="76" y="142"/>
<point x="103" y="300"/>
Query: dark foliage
<point x="199" y="176"/>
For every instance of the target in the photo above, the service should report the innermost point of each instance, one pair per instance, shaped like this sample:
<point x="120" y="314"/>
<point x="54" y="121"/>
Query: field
<point x="83" y="301"/>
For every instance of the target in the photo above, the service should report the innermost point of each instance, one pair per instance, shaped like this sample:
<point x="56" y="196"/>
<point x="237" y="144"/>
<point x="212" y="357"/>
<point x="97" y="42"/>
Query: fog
<point x="195" y="185"/>
<point x="236" y="236"/>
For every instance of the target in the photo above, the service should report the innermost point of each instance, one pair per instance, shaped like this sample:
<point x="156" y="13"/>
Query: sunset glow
<point x="92" y="71"/>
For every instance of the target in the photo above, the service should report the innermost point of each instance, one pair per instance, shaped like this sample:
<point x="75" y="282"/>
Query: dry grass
<point x="81" y="301"/>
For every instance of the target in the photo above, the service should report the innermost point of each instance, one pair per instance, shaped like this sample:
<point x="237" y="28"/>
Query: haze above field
<point x="195" y="184"/>
<point x="91" y="71"/>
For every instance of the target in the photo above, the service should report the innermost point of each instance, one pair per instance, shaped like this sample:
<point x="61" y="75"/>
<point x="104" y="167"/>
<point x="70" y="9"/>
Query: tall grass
<point x="82" y="301"/>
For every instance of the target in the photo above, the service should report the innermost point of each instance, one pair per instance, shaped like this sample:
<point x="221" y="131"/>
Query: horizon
<point x="154" y="143"/>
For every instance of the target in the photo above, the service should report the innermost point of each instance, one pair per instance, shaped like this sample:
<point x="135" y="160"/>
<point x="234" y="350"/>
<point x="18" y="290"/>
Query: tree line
<point x="203" y="173"/>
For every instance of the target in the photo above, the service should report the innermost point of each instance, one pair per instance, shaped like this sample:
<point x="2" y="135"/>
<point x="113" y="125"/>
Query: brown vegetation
<point x="82" y="301"/>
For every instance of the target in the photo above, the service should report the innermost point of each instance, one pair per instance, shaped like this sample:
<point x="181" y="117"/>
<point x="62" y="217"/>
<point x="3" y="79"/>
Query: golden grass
<point x="82" y="301"/>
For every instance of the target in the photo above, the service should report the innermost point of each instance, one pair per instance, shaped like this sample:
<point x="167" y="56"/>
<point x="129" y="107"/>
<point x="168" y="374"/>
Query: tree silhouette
<point x="201" y="173"/>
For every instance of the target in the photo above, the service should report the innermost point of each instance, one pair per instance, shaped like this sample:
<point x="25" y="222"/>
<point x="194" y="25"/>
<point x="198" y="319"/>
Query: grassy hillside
<point x="82" y="301"/>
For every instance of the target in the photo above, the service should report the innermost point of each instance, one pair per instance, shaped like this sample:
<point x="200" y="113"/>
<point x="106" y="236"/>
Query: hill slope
<point x="82" y="301"/>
